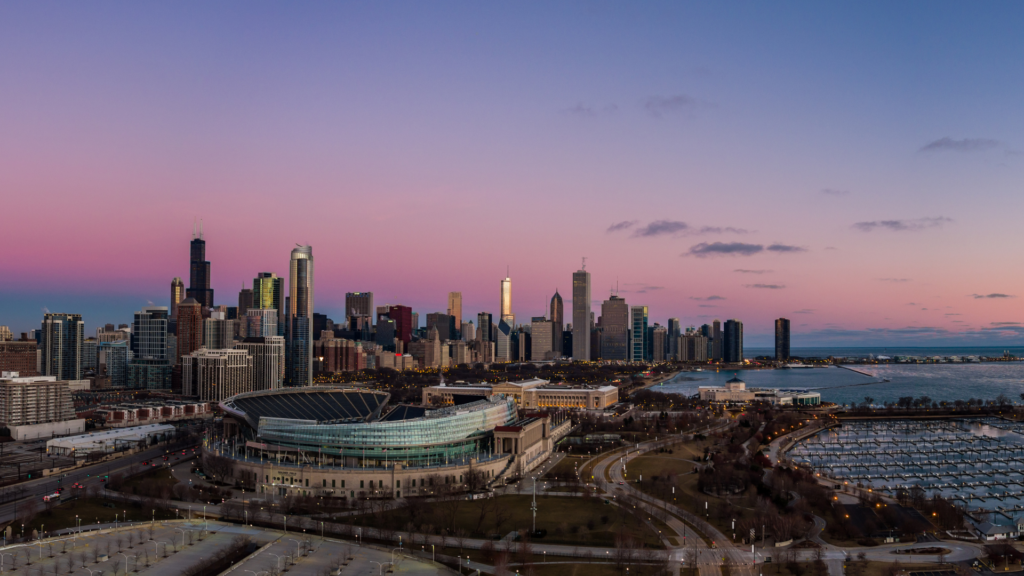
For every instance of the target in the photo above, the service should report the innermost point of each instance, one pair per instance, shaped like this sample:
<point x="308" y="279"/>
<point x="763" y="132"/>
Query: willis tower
<point x="199" y="271"/>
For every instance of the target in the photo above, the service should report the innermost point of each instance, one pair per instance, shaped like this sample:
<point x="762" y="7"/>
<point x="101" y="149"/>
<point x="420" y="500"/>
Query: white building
<point x="37" y="407"/>
<point x="109" y="440"/>
<point x="735" y="391"/>
<point x="267" y="361"/>
<point x="214" y="375"/>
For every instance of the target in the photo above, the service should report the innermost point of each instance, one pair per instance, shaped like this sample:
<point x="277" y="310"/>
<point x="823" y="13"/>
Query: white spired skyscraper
<point x="300" y="318"/>
<point x="506" y="301"/>
<point x="581" y="313"/>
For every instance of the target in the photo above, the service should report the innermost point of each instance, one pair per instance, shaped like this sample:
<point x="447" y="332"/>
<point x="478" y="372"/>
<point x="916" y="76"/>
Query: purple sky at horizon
<point x="855" y="167"/>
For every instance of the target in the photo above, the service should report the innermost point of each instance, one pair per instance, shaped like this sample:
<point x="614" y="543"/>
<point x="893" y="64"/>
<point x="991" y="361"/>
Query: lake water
<point x="937" y="381"/>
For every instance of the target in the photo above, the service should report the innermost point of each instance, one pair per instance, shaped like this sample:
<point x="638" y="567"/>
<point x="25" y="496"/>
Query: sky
<point x="853" y="166"/>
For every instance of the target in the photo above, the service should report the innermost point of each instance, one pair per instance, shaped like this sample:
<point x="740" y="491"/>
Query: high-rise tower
<point x="199" y="271"/>
<point x="62" y="346"/>
<point x="506" y="301"/>
<point x="557" y="323"/>
<point x="177" y="295"/>
<point x="782" y="339"/>
<point x="581" y="313"/>
<point x="300" y="317"/>
<point x="268" y="294"/>
<point x="638" y="336"/>
<point x="455" y="308"/>
<point x="732" y="345"/>
<point x="615" y="323"/>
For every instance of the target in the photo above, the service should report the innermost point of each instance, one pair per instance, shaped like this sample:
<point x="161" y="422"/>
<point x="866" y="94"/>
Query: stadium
<point x="348" y="427"/>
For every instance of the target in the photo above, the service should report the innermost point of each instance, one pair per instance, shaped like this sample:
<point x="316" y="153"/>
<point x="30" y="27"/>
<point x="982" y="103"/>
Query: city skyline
<point x="855" y="174"/>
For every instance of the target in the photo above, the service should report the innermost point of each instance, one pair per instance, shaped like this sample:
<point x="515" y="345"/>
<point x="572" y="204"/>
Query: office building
<point x="415" y="316"/>
<point x="716" y="341"/>
<point x="268" y="293"/>
<point x="245" y="302"/>
<point x="113" y="360"/>
<point x="300" y="317"/>
<point x="61" y="346"/>
<point x="403" y="317"/>
<point x="386" y="334"/>
<point x="177" y="295"/>
<point x="674" y="331"/>
<point x="659" y="339"/>
<point x="581" y="323"/>
<point x="693" y="347"/>
<point x="467" y="333"/>
<point x="199" y="272"/>
<point x="89" y="364"/>
<point x="484" y="327"/>
<point x="506" y="301"/>
<point x="37" y="407"/>
<point x="541" y="346"/>
<point x="5" y="334"/>
<point x="638" y="334"/>
<point x="267" y="361"/>
<point x="261" y="323"/>
<point x="359" y="310"/>
<point x="218" y="332"/>
<point x="190" y="328"/>
<point x="732" y="342"/>
<point x="214" y="375"/>
<point x="110" y="334"/>
<point x="455" y="308"/>
<point x="503" y="343"/>
<point x="557" y="323"/>
<point x="20" y="356"/>
<point x="442" y="322"/>
<point x="735" y="391"/>
<point x="150" y="366"/>
<point x="782" y="339"/>
<point x="615" y="329"/>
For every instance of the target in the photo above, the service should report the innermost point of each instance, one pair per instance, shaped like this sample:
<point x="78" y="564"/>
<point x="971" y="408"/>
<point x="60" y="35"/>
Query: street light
<point x="126" y="557"/>
<point x="278" y="559"/>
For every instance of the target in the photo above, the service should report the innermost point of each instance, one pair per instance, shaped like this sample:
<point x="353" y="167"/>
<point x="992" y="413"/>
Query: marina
<point x="976" y="462"/>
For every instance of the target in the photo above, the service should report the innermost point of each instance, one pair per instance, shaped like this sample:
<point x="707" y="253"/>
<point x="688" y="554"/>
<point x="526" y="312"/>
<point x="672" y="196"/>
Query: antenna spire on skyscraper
<point x="193" y="228"/>
<point x="200" y="228"/>
<point x="584" y="263"/>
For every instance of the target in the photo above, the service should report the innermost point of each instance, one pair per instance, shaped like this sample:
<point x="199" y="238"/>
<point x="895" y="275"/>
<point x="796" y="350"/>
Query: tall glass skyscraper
<point x="300" y="318"/>
<point x="62" y="346"/>
<point x="639" y="335"/>
<point x="581" y="314"/>
<point x="268" y="294"/>
<point x="782" y="339"/>
<point x="615" y="323"/>
<point x="732" y="345"/>
<point x="506" y="302"/>
<point x="199" y="272"/>
<point x="557" y="323"/>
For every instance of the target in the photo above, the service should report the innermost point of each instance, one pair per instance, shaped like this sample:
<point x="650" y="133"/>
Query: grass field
<point x="568" y="520"/>
<point x="91" y="511"/>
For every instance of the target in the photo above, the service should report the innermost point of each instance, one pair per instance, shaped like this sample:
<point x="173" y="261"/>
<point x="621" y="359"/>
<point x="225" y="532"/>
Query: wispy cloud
<point x="706" y="306"/>
<point x="805" y="311"/>
<point x="647" y="289"/>
<point x="766" y="286"/>
<point x="746" y="271"/>
<point x="902" y="225"/>
<point x="707" y="298"/>
<point x="947" y="144"/>
<point x="993" y="295"/>
<point x="721" y="230"/>
<point x="705" y="249"/>
<point x="589" y="111"/>
<point x="893" y="280"/>
<point x="625" y="224"/>
<point x="659" y="106"/>
<point x="1005" y="323"/>
<point x="661" y="228"/>
<point x="834" y="192"/>
<point x="785" y="248"/>
<point x="953" y="314"/>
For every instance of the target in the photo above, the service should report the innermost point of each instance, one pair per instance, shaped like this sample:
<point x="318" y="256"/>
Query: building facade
<point x="782" y="339"/>
<point x="581" y="315"/>
<point x="732" y="345"/>
<point x="455" y="308"/>
<point x="37" y="407"/>
<point x="214" y="375"/>
<point x="61" y="346"/>
<point x="19" y="356"/>
<point x="199" y="272"/>
<point x="557" y="315"/>
<point x="615" y="329"/>
<point x="638" y="334"/>
<point x="268" y="294"/>
<point x="299" y="370"/>
<point x="267" y="361"/>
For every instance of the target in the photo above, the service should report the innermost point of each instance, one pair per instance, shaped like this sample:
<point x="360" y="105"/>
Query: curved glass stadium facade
<point x="357" y="427"/>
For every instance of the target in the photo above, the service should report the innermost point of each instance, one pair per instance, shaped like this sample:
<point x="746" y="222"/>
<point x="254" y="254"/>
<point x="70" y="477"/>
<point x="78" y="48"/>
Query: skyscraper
<point x="300" y="317"/>
<point x="541" y="346"/>
<point x="214" y="375"/>
<point x="658" y="337"/>
<point x="557" y="324"/>
<point x="61" y="345"/>
<point x="443" y="324"/>
<point x="261" y="323"/>
<point x="199" y="272"/>
<point x="673" y="338"/>
<point x="639" y="334"/>
<point x="359" y="305"/>
<point x="615" y="323"/>
<point x="245" y="301"/>
<point x="732" y="344"/>
<point x="782" y="339"/>
<point x="404" y="327"/>
<point x="190" y="328"/>
<point x="268" y="293"/>
<point x="581" y="314"/>
<point x="177" y="295"/>
<point x="218" y="332"/>
<point x="455" y="309"/>
<point x="716" y="342"/>
<point x="483" y="321"/>
<point x="150" y="367"/>
<point x="267" y="361"/>
<point x="506" y="301"/>
<point x="114" y="358"/>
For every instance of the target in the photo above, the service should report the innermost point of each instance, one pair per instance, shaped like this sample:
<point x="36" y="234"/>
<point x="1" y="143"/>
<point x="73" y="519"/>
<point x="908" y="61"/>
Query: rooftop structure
<point x="528" y="394"/>
<point x="109" y="440"/>
<point x="735" y="391"/>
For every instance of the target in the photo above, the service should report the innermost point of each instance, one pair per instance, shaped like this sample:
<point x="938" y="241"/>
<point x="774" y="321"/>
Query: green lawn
<point x="568" y="520"/>
<point x="91" y="511"/>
